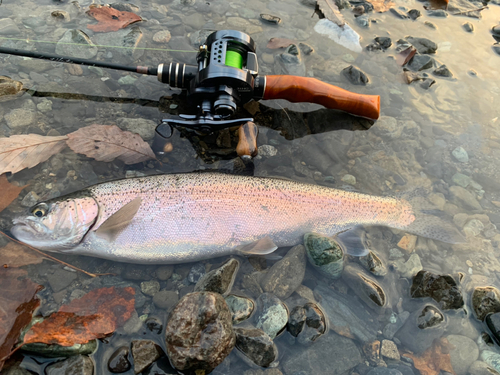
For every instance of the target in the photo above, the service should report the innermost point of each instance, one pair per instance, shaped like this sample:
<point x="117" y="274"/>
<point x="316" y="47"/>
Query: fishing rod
<point x="226" y="76"/>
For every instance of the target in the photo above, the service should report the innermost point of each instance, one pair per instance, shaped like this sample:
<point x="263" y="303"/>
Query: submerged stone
<point x="271" y="315"/>
<point x="325" y="254"/>
<point x="307" y="323"/>
<point x="256" y="345"/>
<point x="75" y="43"/>
<point x="241" y="307"/>
<point x="365" y="287"/>
<point x="441" y="288"/>
<point x="373" y="264"/>
<point x="219" y="280"/>
<point x="485" y="300"/>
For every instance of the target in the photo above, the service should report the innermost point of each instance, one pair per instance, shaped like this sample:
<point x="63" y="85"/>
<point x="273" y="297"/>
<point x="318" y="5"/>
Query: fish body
<point x="186" y="217"/>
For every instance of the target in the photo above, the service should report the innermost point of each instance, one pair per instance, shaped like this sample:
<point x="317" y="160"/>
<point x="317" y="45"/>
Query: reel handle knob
<point x="247" y="143"/>
<point x="304" y="89"/>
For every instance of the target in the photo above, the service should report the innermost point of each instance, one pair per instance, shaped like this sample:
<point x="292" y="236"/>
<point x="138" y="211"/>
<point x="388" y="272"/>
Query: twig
<point x="472" y="10"/>
<point x="55" y="259"/>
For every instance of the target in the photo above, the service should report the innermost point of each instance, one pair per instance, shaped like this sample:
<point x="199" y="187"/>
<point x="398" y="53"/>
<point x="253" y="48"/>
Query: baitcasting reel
<point x="226" y="76"/>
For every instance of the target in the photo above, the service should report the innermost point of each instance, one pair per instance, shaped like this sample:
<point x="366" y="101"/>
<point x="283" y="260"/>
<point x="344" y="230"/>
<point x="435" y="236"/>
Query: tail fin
<point x="435" y="228"/>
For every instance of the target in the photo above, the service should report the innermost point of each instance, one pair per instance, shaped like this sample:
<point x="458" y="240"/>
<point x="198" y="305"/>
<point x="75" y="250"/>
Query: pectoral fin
<point x="261" y="247"/>
<point x="352" y="241"/>
<point x="114" y="224"/>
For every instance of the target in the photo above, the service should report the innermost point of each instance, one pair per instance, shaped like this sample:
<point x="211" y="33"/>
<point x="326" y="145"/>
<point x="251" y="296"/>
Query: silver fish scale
<point x="188" y="217"/>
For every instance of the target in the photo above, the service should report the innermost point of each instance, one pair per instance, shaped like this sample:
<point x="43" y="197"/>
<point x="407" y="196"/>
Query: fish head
<point x="57" y="224"/>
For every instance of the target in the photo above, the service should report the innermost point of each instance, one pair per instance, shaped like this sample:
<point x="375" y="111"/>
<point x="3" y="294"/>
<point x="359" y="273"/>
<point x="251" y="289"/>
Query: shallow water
<point x="316" y="147"/>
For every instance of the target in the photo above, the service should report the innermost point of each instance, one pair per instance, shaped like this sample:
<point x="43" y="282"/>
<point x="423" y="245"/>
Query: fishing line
<point x="97" y="45"/>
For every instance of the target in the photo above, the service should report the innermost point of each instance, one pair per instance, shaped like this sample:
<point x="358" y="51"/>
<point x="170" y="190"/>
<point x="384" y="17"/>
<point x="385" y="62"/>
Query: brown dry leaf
<point x="26" y="151"/>
<point x="9" y="192"/>
<point x="95" y="315"/>
<point x="17" y="303"/>
<point x="434" y="359"/>
<point x="16" y="255"/>
<point x="381" y="6"/>
<point x="275" y="43"/>
<point x="330" y="11"/>
<point x="111" y="19"/>
<point x="109" y="142"/>
<point x="438" y="4"/>
<point x="404" y="56"/>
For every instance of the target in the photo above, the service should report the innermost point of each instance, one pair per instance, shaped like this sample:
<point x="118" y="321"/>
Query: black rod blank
<point x="75" y="60"/>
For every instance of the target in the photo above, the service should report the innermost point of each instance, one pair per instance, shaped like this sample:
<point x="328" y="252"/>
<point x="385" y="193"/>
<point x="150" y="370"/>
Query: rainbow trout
<point x="187" y="217"/>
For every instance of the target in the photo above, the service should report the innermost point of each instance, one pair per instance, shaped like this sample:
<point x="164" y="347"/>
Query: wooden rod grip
<point x="305" y="89"/>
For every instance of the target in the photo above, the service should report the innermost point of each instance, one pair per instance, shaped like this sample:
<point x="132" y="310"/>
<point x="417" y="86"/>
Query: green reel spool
<point x="234" y="59"/>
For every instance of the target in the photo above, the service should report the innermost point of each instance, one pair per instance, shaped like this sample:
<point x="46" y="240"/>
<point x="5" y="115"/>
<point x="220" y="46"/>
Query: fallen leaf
<point x="434" y="359"/>
<point x="381" y="6"/>
<point x="111" y="19"/>
<point x="404" y="56"/>
<point x="9" y="192"/>
<point x="329" y="10"/>
<point x="275" y="43"/>
<point x="95" y="315"/>
<point x="26" y="151"/>
<point x="109" y="142"/>
<point x="16" y="255"/>
<point x="17" y="303"/>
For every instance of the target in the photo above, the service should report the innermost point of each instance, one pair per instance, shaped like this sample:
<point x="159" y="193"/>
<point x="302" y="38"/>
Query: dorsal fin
<point x="114" y="224"/>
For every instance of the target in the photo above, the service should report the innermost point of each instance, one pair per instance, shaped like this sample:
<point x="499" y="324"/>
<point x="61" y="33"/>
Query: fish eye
<point x="40" y="210"/>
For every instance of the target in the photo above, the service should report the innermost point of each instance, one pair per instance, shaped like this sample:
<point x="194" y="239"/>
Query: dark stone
<point x="287" y="274"/>
<point x="60" y="279"/>
<point x="384" y="41"/>
<point x="434" y="169"/>
<point x="399" y="13"/>
<point x="196" y="273"/>
<point x="374" y="47"/>
<point x="414" y="14"/>
<point x="306" y="48"/>
<point x="469" y="27"/>
<point x="441" y="288"/>
<point x="443" y="71"/>
<point x="154" y="325"/>
<point x="307" y="323"/>
<point x="429" y="317"/>
<point x="199" y="333"/>
<point x="485" y="300"/>
<point x="118" y="362"/>
<point x="384" y="371"/>
<point x="256" y="345"/>
<point x="219" y="280"/>
<point x="495" y="30"/>
<point x="165" y="299"/>
<point x="364" y="286"/>
<point x="423" y="45"/>
<point x="496" y="48"/>
<point x="493" y="322"/>
<point x="77" y="365"/>
<point x="427" y="83"/>
<point x="144" y="353"/>
<point x="420" y="62"/>
<point x="437" y="13"/>
<point x="271" y="314"/>
<point x="355" y="76"/>
<point x="334" y="355"/>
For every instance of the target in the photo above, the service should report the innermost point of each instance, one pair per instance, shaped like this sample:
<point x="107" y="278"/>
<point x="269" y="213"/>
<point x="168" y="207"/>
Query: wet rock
<point x="306" y="49"/>
<point x="307" y="323"/>
<point x="162" y="37"/>
<point x="199" y="332"/>
<point x="355" y="76"/>
<point x="441" y="288"/>
<point x="387" y="127"/>
<point x="399" y="13"/>
<point x="396" y="322"/>
<point x="165" y="299"/>
<point x="58" y="350"/>
<point x="463" y="352"/>
<point x="437" y="13"/>
<point x="482" y="368"/>
<point x="150" y="288"/>
<point x="493" y="322"/>
<point x="145" y="128"/>
<point x="9" y="88"/>
<point x="240" y="307"/>
<point x="421" y="329"/>
<point x="77" y="365"/>
<point x="75" y="43"/>
<point x="469" y="27"/>
<point x="496" y="48"/>
<point x="128" y="38"/>
<point x="426" y="83"/>
<point x="373" y="264"/>
<point x="388" y="349"/>
<point x="423" y="45"/>
<point x="473" y="228"/>
<point x="492" y="359"/>
<point x="414" y="14"/>
<point x="408" y="268"/>
<point x="164" y="272"/>
<point x="460" y="155"/>
<point x="144" y="353"/>
<point x="287" y="274"/>
<point x="364" y="287"/>
<point x="334" y="355"/>
<point x="443" y="71"/>
<point x="363" y="21"/>
<point x="270" y="18"/>
<point x="256" y="345"/>
<point x="8" y="27"/>
<point x="385" y="42"/>
<point x="219" y="280"/>
<point x="118" y="362"/>
<point x="325" y="254"/>
<point x="271" y="314"/>
<point x="485" y="300"/>
<point x="196" y="273"/>
<point x="20" y="117"/>
<point x="420" y="62"/>
<point x="291" y="62"/>
<point x="464" y="198"/>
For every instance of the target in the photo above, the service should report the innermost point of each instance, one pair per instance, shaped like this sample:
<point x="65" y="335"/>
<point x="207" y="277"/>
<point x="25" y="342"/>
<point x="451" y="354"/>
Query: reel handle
<point x="304" y="89"/>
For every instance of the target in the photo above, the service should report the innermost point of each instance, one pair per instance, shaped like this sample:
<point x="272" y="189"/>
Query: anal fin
<point x="114" y="224"/>
<point x="263" y="246"/>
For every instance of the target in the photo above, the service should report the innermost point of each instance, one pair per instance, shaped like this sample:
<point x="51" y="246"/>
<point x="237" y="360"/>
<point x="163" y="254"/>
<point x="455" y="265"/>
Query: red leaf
<point x="9" y="192"/>
<point x="96" y="315"/>
<point x="404" y="56"/>
<point x="17" y="303"/>
<point x="111" y="19"/>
